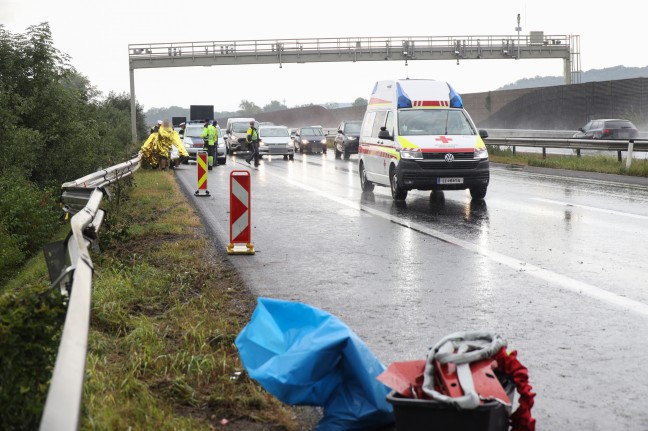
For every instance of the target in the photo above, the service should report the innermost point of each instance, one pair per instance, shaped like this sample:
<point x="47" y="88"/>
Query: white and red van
<point x="416" y="135"/>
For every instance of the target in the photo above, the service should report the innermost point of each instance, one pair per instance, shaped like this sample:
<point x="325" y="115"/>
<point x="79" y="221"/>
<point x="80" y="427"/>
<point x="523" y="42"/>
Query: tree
<point x="248" y="108"/>
<point x="275" y="105"/>
<point x="360" y="101"/>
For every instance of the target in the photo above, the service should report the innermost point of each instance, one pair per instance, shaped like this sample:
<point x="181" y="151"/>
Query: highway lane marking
<point x="578" y="180"/>
<point x="600" y="210"/>
<point x="551" y="277"/>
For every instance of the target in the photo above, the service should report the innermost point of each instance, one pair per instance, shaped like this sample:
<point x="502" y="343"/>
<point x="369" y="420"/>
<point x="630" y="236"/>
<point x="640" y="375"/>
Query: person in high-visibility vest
<point x="252" y="139"/>
<point x="209" y="135"/>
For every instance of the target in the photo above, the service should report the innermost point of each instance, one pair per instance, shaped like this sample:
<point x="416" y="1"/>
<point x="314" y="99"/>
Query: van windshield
<point x="240" y="127"/>
<point x="433" y="122"/>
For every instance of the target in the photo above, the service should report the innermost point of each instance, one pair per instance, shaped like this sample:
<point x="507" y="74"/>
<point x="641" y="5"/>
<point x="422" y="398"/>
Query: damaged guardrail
<point x="71" y="268"/>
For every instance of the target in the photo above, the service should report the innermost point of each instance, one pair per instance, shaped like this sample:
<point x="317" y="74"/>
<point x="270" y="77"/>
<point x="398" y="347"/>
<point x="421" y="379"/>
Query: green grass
<point x="589" y="163"/>
<point x="165" y="312"/>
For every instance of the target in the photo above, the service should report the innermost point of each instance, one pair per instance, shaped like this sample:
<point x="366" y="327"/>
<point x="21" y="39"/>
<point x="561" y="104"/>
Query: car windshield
<point x="273" y="132"/>
<point x="433" y="122"/>
<point x="312" y="131"/>
<point x="194" y="131"/>
<point x="352" y="127"/>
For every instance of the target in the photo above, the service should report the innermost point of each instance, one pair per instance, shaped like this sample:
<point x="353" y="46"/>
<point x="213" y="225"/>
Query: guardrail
<point x="71" y="268"/>
<point x="574" y="144"/>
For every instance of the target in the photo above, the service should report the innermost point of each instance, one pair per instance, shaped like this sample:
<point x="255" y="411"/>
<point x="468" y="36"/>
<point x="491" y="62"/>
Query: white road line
<point x="551" y="277"/>
<point x="589" y="208"/>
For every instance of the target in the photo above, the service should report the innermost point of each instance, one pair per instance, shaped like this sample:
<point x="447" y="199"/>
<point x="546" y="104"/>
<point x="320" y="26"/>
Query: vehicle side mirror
<point x="384" y="134"/>
<point x="340" y="131"/>
<point x="580" y="129"/>
<point x="483" y="134"/>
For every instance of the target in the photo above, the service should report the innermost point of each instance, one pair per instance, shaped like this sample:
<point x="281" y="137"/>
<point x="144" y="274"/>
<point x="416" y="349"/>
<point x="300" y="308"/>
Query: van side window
<point x="367" y="124"/>
<point x="379" y="122"/>
<point x="389" y="123"/>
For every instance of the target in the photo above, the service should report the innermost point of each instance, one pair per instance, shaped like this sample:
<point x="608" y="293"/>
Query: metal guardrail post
<point x="629" y="157"/>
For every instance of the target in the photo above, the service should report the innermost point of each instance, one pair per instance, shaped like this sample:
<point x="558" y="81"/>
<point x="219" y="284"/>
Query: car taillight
<point x="606" y="132"/>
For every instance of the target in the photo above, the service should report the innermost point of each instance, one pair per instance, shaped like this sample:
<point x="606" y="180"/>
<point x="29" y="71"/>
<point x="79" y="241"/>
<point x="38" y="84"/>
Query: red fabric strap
<point x="508" y="364"/>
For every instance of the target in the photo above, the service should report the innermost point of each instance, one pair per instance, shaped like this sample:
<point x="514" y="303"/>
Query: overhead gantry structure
<point x="535" y="45"/>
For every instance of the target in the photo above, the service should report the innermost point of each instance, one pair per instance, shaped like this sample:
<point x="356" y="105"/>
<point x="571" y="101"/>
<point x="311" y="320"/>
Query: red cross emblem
<point x="443" y="139"/>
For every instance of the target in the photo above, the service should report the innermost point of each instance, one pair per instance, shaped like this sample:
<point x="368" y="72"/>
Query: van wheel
<point x="398" y="193"/>
<point x="346" y="154"/>
<point x="365" y="184"/>
<point x="338" y="154"/>
<point x="291" y="157"/>
<point x="478" y="192"/>
<point x="285" y="157"/>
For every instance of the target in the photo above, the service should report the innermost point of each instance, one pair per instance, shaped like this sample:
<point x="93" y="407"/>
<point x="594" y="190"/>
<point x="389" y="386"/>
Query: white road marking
<point x="589" y="208"/>
<point x="551" y="277"/>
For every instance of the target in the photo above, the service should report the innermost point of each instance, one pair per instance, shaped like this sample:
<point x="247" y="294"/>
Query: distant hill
<point x="593" y="75"/>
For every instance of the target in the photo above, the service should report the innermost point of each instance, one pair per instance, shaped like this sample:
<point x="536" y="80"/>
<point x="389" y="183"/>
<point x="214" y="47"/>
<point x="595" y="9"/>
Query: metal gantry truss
<point x="536" y="45"/>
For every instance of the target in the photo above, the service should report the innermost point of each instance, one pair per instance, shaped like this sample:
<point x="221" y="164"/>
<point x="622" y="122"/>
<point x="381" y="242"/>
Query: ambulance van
<point x="416" y="135"/>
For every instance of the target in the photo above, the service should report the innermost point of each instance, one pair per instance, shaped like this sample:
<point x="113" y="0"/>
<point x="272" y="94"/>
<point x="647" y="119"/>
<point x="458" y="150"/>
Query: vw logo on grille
<point x="449" y="158"/>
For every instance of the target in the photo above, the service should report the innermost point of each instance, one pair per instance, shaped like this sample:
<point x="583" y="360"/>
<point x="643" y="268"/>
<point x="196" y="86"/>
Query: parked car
<point x="310" y="139"/>
<point x="347" y="138"/>
<point x="608" y="129"/>
<point x="193" y="141"/>
<point x="275" y="140"/>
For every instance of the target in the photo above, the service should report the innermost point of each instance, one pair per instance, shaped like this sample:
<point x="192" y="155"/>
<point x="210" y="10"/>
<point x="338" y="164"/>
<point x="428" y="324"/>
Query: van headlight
<point x="414" y="153"/>
<point x="481" y="152"/>
<point x="323" y="141"/>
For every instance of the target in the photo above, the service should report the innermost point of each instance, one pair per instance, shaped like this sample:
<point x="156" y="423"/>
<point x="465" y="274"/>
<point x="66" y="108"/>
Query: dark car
<point x="347" y="138"/>
<point x="310" y="139"/>
<point x="608" y="129"/>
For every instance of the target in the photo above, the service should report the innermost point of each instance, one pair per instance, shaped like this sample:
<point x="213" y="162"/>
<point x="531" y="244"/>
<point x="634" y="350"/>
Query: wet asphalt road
<point x="556" y="265"/>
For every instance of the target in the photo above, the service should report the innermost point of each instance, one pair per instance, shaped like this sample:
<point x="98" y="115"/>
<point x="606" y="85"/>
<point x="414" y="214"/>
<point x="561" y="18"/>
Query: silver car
<point x="275" y="140"/>
<point x="193" y="141"/>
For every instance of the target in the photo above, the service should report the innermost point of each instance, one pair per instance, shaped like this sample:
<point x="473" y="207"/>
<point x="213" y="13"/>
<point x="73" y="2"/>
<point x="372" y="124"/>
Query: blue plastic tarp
<point x="305" y="356"/>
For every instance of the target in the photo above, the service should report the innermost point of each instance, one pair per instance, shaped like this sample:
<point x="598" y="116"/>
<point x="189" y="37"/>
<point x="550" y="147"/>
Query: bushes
<point x="30" y="322"/>
<point x="28" y="219"/>
<point x="53" y="130"/>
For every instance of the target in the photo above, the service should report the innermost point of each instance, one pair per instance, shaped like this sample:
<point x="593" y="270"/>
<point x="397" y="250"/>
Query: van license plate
<point x="449" y="180"/>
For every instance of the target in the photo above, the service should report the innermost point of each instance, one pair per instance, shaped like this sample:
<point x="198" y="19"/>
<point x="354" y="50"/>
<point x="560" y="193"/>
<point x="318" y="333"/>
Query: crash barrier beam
<point x="240" y="213"/>
<point x="628" y="145"/>
<point x="75" y="194"/>
<point x="201" y="164"/>
<point x="71" y="269"/>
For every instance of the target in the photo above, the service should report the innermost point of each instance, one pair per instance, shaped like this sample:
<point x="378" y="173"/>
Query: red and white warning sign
<point x="240" y="214"/>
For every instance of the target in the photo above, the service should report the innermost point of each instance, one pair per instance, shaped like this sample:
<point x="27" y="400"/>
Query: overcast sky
<point x="96" y="36"/>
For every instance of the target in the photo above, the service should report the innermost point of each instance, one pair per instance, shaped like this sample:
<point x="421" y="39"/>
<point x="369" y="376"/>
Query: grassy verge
<point x="166" y="309"/>
<point x="589" y="163"/>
